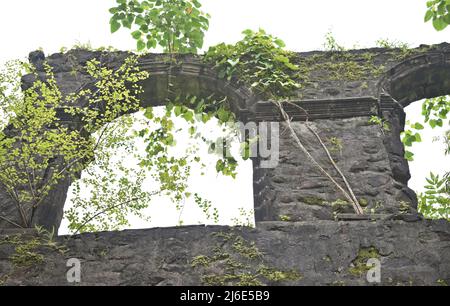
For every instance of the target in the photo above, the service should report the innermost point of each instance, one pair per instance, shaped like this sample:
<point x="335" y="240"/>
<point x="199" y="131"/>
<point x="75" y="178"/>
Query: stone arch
<point x="423" y="76"/>
<point x="418" y="77"/>
<point x="189" y="75"/>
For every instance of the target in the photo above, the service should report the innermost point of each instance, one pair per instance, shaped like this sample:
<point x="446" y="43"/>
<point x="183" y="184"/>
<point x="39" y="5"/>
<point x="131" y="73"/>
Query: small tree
<point x="175" y="25"/>
<point x="438" y="11"/>
<point x="37" y="150"/>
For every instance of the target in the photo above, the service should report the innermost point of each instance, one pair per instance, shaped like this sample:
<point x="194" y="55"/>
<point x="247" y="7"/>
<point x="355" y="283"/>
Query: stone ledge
<point x="321" y="251"/>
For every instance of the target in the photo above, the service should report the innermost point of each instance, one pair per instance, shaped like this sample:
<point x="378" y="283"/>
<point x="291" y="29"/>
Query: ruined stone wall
<point x="313" y="252"/>
<point x="303" y="223"/>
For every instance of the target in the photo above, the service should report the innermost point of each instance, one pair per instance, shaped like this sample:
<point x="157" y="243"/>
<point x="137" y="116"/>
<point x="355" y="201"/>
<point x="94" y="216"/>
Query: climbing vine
<point x="260" y="61"/>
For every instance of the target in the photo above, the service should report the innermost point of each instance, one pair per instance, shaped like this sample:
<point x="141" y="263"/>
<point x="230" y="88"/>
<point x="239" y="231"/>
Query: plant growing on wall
<point x="38" y="149"/>
<point x="175" y="25"/>
<point x="259" y="60"/>
<point x="438" y="12"/>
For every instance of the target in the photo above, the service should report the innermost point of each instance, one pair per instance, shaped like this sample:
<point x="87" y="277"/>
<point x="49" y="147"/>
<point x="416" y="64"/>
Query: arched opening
<point x="418" y="87"/>
<point x="430" y="153"/>
<point x="209" y="198"/>
<point x="178" y="78"/>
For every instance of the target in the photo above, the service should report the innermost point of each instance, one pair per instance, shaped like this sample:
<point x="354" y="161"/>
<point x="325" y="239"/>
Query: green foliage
<point x="342" y="65"/>
<point x="401" y="50"/>
<point x="438" y="12"/>
<point x="236" y="261"/>
<point x="409" y="137"/>
<point x="331" y="44"/>
<point x="434" y="203"/>
<point x="35" y="139"/>
<point x="285" y="218"/>
<point x="340" y="206"/>
<point x="441" y="282"/>
<point x="175" y="25"/>
<point x="404" y="207"/>
<point x="28" y="250"/>
<point x="435" y="110"/>
<point x="260" y="61"/>
<point x="36" y="150"/>
<point x="336" y="145"/>
<point x="381" y="122"/>
<point x="391" y="44"/>
<point x="206" y="207"/>
<point x="245" y="218"/>
<point x="118" y="190"/>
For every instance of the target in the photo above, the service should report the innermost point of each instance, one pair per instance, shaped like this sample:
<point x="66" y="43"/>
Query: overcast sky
<point x="50" y="24"/>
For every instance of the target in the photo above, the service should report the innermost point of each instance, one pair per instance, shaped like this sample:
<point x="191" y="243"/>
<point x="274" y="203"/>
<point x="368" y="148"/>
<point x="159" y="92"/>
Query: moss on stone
<point x="363" y="202"/>
<point x="285" y="218"/>
<point x="359" y="264"/>
<point x="404" y="207"/>
<point x="441" y="282"/>
<point x="311" y="200"/>
<point x="236" y="261"/>
<point x="28" y="250"/>
<point x="340" y="206"/>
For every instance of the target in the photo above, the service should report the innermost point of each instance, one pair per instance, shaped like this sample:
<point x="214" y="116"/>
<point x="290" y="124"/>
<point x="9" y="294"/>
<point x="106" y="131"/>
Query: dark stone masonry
<point x="303" y="223"/>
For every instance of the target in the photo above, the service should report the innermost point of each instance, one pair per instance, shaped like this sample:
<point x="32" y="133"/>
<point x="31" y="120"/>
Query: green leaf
<point x="149" y="113"/>
<point x="140" y="45"/>
<point x="447" y="17"/>
<point x="417" y="137"/>
<point x="188" y="116"/>
<point x="136" y="34"/>
<point x="418" y="126"/>
<point x="126" y="23"/>
<point x="177" y="110"/>
<point x="247" y="32"/>
<point x="280" y="43"/>
<point x="115" y="25"/>
<point x="113" y="10"/>
<point x="439" y="24"/>
<point x="409" y="156"/>
<point x="139" y="20"/>
<point x="429" y="14"/>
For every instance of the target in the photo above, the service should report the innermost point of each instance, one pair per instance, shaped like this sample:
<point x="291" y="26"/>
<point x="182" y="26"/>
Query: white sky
<point x="51" y="24"/>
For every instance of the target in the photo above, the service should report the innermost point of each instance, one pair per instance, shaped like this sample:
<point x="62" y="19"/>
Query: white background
<point x="51" y="24"/>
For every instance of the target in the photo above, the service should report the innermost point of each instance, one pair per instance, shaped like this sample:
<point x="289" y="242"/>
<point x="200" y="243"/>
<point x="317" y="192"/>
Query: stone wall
<point x="299" y="208"/>
<point x="315" y="252"/>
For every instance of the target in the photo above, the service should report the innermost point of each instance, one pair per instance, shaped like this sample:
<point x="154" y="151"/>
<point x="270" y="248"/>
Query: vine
<point x="259" y="60"/>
